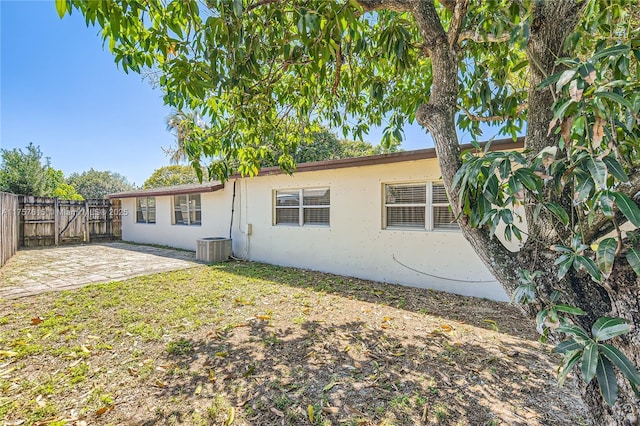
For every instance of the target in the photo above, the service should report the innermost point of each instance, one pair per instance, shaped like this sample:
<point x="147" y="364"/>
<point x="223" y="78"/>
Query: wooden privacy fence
<point x="50" y="221"/>
<point x="9" y="225"/>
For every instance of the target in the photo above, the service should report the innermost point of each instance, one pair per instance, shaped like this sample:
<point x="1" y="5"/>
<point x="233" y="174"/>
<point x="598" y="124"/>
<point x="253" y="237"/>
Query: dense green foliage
<point x="30" y="173"/>
<point x="319" y="145"/>
<point x="170" y="176"/>
<point x="97" y="184"/>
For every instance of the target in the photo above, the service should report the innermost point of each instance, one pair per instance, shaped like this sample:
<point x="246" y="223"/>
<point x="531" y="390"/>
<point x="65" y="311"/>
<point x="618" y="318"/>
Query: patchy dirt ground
<point x="253" y="344"/>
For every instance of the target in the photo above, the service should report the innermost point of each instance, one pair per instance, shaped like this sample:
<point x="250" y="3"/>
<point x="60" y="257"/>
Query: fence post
<point x="87" y="216"/>
<point x="56" y="222"/>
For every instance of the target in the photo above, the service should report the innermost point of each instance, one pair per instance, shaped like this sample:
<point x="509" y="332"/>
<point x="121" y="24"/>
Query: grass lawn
<point x="253" y="344"/>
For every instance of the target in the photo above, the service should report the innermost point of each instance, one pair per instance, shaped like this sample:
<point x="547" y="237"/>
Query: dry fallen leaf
<point x="263" y="317"/>
<point x="277" y="412"/>
<point x="446" y="328"/>
<point x="330" y="410"/>
<point x="41" y="401"/>
<point x="36" y="320"/>
<point x="198" y="390"/>
<point x="103" y="410"/>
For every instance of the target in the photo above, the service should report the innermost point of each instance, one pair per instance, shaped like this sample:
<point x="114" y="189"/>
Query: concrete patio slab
<point x="35" y="271"/>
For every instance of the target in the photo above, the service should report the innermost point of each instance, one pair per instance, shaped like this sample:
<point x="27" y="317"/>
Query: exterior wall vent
<point x="213" y="249"/>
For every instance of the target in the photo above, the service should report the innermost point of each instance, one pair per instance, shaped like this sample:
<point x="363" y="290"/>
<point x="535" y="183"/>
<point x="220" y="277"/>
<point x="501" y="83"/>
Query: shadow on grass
<point x="360" y="376"/>
<point x="483" y="313"/>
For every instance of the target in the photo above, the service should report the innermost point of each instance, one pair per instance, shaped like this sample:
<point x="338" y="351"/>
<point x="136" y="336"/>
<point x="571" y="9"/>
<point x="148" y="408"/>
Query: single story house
<point x="383" y="217"/>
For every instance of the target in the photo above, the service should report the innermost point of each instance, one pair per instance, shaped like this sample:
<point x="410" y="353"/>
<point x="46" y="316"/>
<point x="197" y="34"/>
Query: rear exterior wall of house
<point x="362" y="221"/>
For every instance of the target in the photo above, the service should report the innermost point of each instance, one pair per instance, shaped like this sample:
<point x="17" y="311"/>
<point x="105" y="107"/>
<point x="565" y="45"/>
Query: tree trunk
<point x="552" y="22"/>
<point x="624" y="289"/>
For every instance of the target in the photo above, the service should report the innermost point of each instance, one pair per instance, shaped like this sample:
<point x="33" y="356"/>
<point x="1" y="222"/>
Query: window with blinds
<point x="146" y="210"/>
<point x="300" y="207"/>
<point x="417" y="206"/>
<point x="187" y="209"/>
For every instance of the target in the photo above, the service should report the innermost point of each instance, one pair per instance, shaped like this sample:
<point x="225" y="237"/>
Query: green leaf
<point x="567" y="346"/>
<point x="615" y="168"/>
<point x="528" y="179"/>
<point x="633" y="257"/>
<point x="598" y="171"/>
<point x="237" y="8"/>
<point x="620" y="49"/>
<point x="606" y="328"/>
<point x="607" y="380"/>
<point x="549" y="80"/>
<point x="575" y="331"/>
<point x="565" y="261"/>
<point x="61" y="8"/>
<point x="606" y="201"/>
<point x="614" y="97"/>
<point x="583" y="189"/>
<point x="621" y="361"/>
<point x="589" y="265"/>
<point x="589" y="362"/>
<point x="524" y="293"/>
<point x="569" y="361"/>
<point x="505" y="168"/>
<point x="569" y="309"/>
<point x="558" y="212"/>
<point x="606" y="254"/>
<point x="628" y="208"/>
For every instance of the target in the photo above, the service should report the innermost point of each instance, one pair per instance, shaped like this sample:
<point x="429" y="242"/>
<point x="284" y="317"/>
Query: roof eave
<point x="158" y="192"/>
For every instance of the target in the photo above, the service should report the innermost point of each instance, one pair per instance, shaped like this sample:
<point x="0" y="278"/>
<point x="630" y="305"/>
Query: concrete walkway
<point x="35" y="271"/>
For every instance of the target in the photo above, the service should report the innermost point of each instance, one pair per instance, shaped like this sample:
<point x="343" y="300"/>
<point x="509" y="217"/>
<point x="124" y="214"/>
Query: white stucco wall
<point x="355" y="244"/>
<point x="216" y="216"/>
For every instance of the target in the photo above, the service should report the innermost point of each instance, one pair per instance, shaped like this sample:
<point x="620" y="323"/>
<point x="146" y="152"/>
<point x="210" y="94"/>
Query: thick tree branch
<point x="438" y="116"/>
<point x="457" y="20"/>
<point x="448" y="4"/>
<point x="394" y="5"/>
<point x="483" y="38"/>
<point x="551" y="23"/>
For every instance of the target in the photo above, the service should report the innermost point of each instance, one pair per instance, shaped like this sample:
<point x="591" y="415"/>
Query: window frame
<point x="301" y="207"/>
<point x="197" y="208"/>
<point x="429" y="206"/>
<point x="146" y="210"/>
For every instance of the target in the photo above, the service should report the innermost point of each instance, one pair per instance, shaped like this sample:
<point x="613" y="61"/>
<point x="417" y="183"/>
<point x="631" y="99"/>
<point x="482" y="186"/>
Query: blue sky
<point x="61" y="90"/>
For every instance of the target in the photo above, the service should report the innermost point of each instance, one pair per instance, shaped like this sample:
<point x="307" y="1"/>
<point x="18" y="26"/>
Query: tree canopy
<point x="30" y="173"/>
<point x="170" y="176"/>
<point x="97" y="184"/>
<point x="267" y="74"/>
